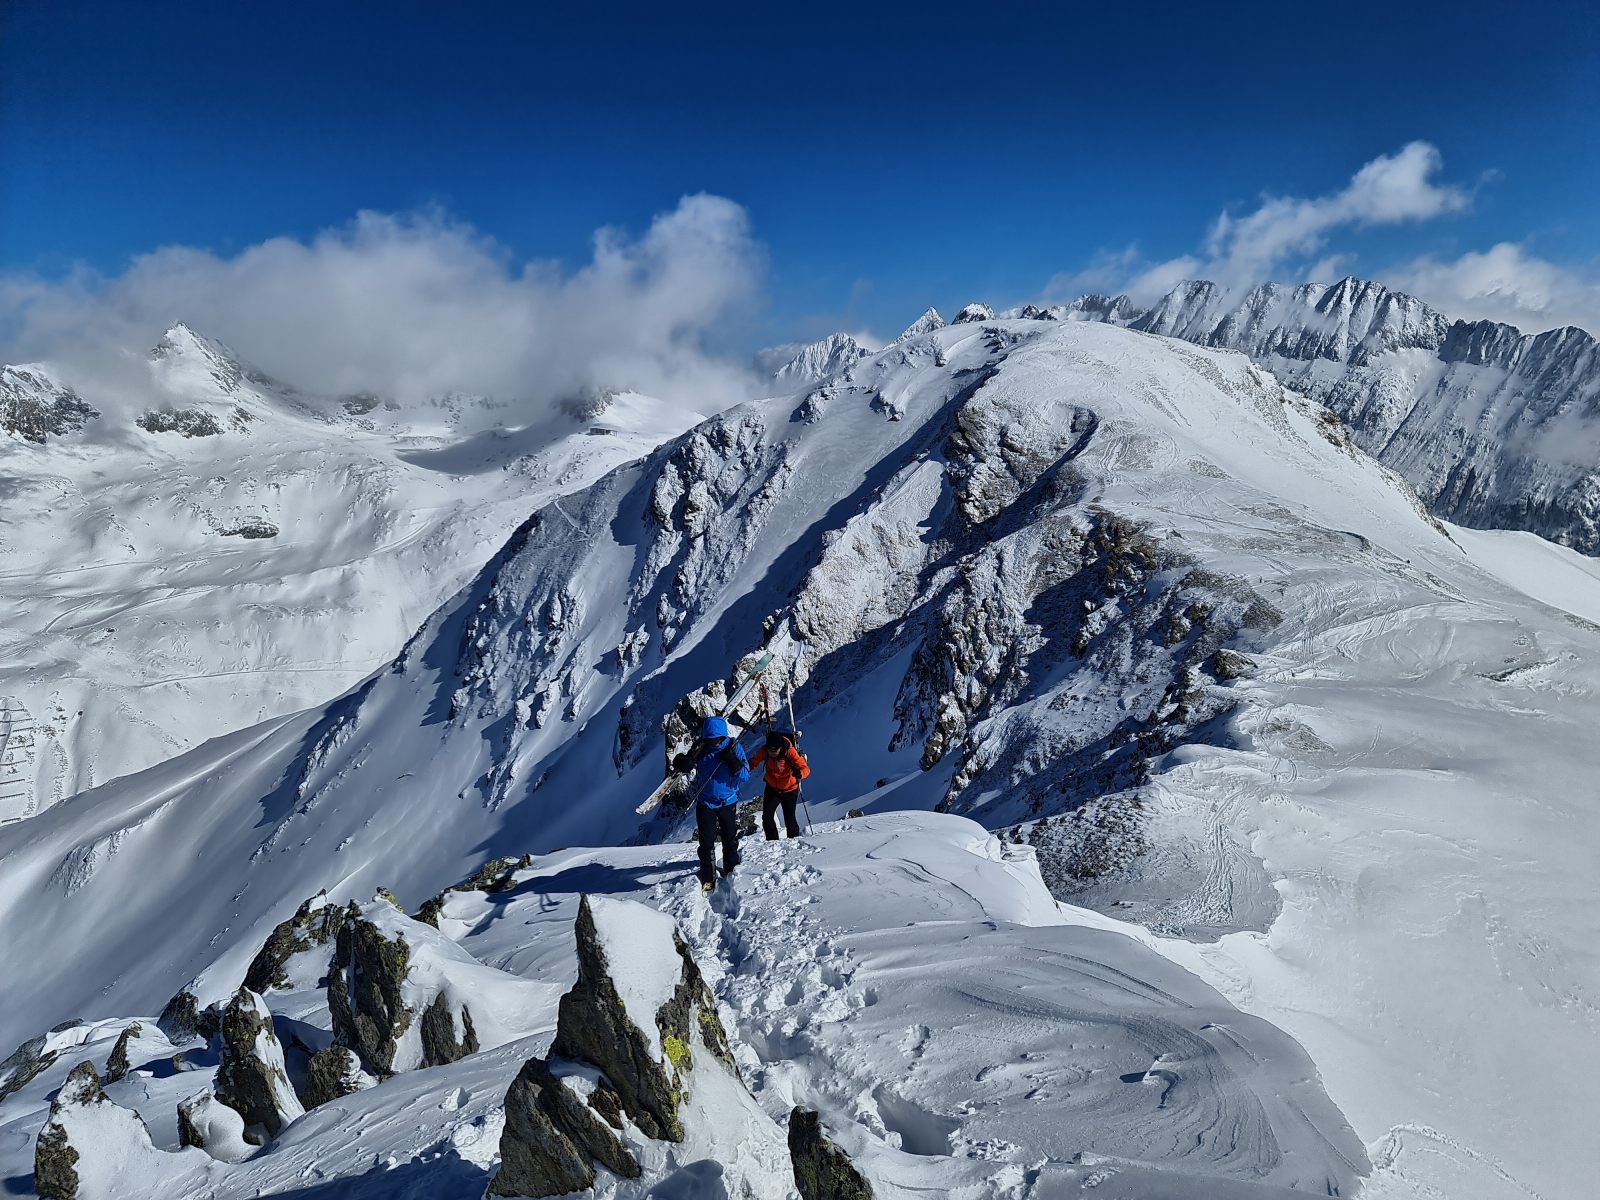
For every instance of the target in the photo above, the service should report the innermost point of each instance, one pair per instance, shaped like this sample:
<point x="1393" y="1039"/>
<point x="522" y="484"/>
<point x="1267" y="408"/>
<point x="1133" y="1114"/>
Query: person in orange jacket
<point x="786" y="767"/>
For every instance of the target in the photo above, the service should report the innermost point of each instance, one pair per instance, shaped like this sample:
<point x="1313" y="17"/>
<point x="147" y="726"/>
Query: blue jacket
<point x="712" y="783"/>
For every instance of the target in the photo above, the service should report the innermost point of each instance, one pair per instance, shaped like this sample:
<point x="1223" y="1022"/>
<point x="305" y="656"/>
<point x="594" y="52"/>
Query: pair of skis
<point x="740" y="694"/>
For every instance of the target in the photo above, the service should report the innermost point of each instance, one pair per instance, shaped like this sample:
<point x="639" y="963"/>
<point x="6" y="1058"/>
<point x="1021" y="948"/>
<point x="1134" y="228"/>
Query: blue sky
<point x="887" y="157"/>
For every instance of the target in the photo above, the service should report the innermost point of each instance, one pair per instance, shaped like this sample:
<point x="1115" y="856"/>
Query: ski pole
<point x="794" y="729"/>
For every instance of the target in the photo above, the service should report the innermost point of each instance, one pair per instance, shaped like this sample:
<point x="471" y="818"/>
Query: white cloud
<point x="1389" y="190"/>
<point x="416" y="305"/>
<point x="1505" y="283"/>
<point x="1280" y="237"/>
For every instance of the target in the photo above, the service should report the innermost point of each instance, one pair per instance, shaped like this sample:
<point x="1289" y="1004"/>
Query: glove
<point x="731" y="760"/>
<point x="683" y="762"/>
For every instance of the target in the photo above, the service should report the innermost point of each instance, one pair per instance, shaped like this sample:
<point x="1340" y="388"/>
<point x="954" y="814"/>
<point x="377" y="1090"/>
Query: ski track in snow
<point x="905" y="974"/>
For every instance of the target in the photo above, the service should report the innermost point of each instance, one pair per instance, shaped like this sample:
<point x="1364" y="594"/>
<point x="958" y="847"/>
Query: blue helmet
<point x="715" y="727"/>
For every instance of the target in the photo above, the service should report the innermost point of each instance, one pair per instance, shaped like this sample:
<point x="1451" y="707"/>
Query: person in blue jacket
<point x="719" y="767"/>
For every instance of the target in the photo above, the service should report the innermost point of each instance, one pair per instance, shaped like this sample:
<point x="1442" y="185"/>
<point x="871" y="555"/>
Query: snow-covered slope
<point x="797" y="366"/>
<point x="232" y="551"/>
<point x="1495" y="428"/>
<point x="907" y="976"/>
<point x="1325" y="751"/>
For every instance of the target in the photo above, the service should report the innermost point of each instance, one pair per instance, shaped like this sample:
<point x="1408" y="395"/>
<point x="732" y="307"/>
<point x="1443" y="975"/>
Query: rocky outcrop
<point x="205" y="1123"/>
<point x="822" y="1171"/>
<point x="90" y="1147"/>
<point x="25" y="1064"/>
<point x="973" y="313"/>
<point x="250" y="528"/>
<point x="189" y="422"/>
<point x="394" y="1016"/>
<point x="643" y="1055"/>
<point x="633" y="1037"/>
<point x="183" y="1020"/>
<point x="496" y="875"/>
<point x="331" y="1073"/>
<point x="554" y="1136"/>
<point x="312" y="928"/>
<point x="251" y="1078"/>
<point x="35" y="408"/>
<point x="55" y="1158"/>
<point x="119" y="1063"/>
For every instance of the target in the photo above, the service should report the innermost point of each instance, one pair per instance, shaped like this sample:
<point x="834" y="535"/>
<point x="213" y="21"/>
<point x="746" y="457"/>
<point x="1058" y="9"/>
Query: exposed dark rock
<point x="555" y="1131"/>
<point x="25" y="1064"/>
<point x="360" y="403"/>
<point x="253" y="528"/>
<point x="440" y="1041"/>
<point x="1230" y="664"/>
<point x="496" y="875"/>
<point x="190" y="1132"/>
<point x="55" y="1158"/>
<point x="183" y="1020"/>
<point x="205" y="1123"/>
<point x="364" y="992"/>
<point x="251" y="1078"/>
<point x="315" y="923"/>
<point x="118" y="1064"/>
<point x="552" y="1139"/>
<point x="593" y="1026"/>
<point x="364" y="998"/>
<point x="36" y="408"/>
<point x="822" y="1171"/>
<point x="331" y="1073"/>
<point x="190" y="422"/>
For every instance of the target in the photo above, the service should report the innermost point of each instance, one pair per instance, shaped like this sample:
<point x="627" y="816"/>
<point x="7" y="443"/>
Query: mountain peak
<point x="802" y="363"/>
<point x="181" y="338"/>
<point x="926" y="323"/>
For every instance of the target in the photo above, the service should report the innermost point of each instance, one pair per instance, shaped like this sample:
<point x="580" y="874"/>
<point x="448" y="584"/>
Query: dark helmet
<point x="778" y="740"/>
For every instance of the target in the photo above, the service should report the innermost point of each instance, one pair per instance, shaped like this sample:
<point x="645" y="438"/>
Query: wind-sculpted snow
<point x="905" y="976"/>
<point x="1125" y="600"/>
<point x="802" y="366"/>
<point x="1493" y="427"/>
<point x="220" y="549"/>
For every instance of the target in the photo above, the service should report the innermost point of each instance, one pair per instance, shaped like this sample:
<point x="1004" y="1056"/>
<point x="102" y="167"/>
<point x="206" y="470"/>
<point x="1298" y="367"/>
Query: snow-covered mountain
<point x="1495" y="429"/>
<point x="224" y="549"/>
<point x="1154" y="619"/>
<point x="799" y="364"/>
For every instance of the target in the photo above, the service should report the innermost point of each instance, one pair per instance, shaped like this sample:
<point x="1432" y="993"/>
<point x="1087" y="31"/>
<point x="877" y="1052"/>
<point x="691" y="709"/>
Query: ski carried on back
<point x="746" y="685"/>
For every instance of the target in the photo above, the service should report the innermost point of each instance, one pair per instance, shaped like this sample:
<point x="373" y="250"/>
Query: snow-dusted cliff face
<point x="1127" y="601"/>
<point x="796" y="366"/>
<point x="1496" y="429"/>
<point x="224" y="550"/>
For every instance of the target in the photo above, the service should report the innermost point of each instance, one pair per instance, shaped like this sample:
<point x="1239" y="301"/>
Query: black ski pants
<point x="770" y="800"/>
<point x="710" y="823"/>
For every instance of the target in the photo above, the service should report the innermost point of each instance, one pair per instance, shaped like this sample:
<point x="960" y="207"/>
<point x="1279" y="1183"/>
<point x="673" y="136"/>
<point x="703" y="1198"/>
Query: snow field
<point x="1384" y="849"/>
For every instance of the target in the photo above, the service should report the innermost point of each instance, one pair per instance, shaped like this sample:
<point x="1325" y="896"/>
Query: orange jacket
<point x="785" y="770"/>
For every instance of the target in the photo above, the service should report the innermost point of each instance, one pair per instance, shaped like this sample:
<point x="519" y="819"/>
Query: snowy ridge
<point x="798" y="366"/>
<point x="236" y="551"/>
<point x="1479" y="417"/>
<point x="847" y="1003"/>
<point x="1126" y="600"/>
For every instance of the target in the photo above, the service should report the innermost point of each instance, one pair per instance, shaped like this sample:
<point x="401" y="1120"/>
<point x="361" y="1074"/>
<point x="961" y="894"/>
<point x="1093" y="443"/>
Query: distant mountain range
<point x="207" y="547"/>
<point x="1496" y="429"/>
<point x="1493" y="427"/>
